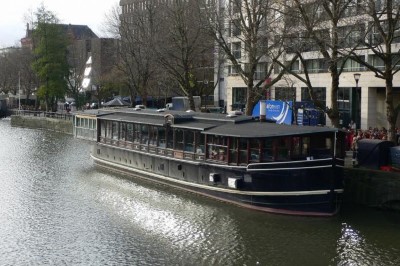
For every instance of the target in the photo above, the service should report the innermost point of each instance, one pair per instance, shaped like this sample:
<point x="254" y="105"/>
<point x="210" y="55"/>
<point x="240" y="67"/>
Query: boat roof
<point x="211" y="123"/>
<point x="258" y="129"/>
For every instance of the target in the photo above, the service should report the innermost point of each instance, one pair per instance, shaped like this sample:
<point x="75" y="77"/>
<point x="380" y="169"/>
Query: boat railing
<point x="150" y="148"/>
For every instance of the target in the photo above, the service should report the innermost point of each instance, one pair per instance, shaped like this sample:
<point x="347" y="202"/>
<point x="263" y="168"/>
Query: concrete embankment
<point x="58" y="125"/>
<point x="372" y="188"/>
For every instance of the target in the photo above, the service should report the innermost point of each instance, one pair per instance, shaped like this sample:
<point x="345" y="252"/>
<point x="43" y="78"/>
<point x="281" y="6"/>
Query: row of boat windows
<point x="85" y="122"/>
<point x="230" y="150"/>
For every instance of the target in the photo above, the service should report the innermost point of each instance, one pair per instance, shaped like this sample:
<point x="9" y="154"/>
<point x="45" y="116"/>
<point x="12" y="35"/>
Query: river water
<point x="57" y="208"/>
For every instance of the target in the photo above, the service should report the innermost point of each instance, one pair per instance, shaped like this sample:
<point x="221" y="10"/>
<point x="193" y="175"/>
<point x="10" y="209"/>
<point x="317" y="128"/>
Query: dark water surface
<point x="56" y="208"/>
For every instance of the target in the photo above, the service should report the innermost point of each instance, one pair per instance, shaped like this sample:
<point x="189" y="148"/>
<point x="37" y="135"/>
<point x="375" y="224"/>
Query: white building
<point x="363" y="102"/>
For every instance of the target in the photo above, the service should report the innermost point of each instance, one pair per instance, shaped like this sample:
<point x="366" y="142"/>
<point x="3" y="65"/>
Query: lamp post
<point x="358" y="102"/>
<point x="19" y="91"/>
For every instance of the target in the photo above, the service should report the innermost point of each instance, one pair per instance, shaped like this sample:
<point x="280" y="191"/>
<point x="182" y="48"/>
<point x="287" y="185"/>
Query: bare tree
<point x="183" y="47"/>
<point x="382" y="21"/>
<point x="137" y="60"/>
<point x="325" y="28"/>
<point x="16" y="74"/>
<point x="77" y="62"/>
<point x="8" y="76"/>
<point x="248" y="32"/>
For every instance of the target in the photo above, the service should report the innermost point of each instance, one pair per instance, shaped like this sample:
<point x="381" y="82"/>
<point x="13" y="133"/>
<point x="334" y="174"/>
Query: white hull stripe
<point x="289" y="168"/>
<point x="224" y="190"/>
<point x="291" y="162"/>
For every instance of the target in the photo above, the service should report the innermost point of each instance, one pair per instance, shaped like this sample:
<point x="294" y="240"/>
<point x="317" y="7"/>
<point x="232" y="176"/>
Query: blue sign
<point x="279" y="111"/>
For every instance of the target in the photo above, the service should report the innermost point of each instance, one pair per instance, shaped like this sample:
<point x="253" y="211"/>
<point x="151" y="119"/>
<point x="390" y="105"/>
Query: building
<point x="84" y="43"/>
<point x="362" y="101"/>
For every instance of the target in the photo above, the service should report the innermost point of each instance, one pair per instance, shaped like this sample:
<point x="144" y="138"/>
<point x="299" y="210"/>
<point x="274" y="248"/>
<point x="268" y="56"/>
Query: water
<point x="57" y="208"/>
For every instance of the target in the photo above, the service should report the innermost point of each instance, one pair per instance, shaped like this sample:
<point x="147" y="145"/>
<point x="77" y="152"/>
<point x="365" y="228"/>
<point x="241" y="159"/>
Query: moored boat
<point x="284" y="169"/>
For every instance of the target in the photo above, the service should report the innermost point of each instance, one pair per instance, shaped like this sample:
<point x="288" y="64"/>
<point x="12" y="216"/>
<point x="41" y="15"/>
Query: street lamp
<point x="358" y="102"/>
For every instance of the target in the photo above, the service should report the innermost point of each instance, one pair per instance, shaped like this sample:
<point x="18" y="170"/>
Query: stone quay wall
<point x="46" y="123"/>
<point x="372" y="188"/>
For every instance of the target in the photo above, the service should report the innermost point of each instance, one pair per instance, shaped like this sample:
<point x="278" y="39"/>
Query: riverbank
<point x="42" y="122"/>
<point x="372" y="188"/>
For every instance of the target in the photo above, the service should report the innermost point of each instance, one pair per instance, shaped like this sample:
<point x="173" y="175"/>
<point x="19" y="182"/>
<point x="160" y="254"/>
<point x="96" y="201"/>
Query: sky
<point x="79" y="12"/>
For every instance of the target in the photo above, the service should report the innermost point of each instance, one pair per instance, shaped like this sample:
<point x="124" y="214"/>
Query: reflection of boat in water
<point x="285" y="169"/>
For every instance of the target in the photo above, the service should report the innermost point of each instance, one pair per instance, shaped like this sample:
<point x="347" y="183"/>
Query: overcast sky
<point x="78" y="12"/>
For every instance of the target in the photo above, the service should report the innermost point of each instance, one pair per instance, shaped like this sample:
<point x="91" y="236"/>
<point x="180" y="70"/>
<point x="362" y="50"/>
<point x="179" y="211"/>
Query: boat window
<point x="170" y="138"/>
<point x="296" y="152"/>
<point x="178" y="139"/>
<point x="129" y="132"/>
<point x="153" y="132"/>
<point x="115" y="130"/>
<point x="122" y="130"/>
<point x="109" y="129"/>
<point x="268" y="152"/>
<point x="103" y="128"/>
<point x="144" y="134"/>
<point x="305" y="143"/>
<point x="189" y="141"/>
<point x="161" y="137"/>
<point x="321" y="146"/>
<point x="243" y="151"/>
<point x="233" y="150"/>
<point x="200" y="139"/>
<point x="136" y="134"/>
<point x="283" y="149"/>
<point x="254" y="150"/>
<point x="217" y="147"/>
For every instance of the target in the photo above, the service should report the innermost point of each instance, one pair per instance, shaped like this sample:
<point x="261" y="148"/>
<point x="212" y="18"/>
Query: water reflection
<point x="369" y="238"/>
<point x="57" y="208"/>
<point x="176" y="220"/>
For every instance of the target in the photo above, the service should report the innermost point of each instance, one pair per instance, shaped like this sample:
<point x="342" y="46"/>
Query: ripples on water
<point x="56" y="208"/>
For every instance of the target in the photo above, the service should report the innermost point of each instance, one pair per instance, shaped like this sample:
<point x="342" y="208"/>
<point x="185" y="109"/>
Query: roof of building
<point x="79" y="32"/>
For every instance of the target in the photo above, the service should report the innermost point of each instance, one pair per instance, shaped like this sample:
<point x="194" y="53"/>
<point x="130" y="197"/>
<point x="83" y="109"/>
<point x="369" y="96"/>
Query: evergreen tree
<point x="50" y="64"/>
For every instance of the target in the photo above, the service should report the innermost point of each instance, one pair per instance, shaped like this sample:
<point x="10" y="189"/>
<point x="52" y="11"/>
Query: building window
<point x="238" y="98"/>
<point x="235" y="28"/>
<point x="350" y="36"/>
<point x="350" y="65"/>
<point x="261" y="71"/>
<point x="295" y="67"/>
<point x="343" y="98"/>
<point x="320" y="94"/>
<point x="316" y="66"/>
<point x="285" y="93"/>
<point x="236" y="50"/>
<point x="232" y="70"/>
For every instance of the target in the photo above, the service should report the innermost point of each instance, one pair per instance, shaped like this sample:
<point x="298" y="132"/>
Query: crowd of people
<point x="354" y="135"/>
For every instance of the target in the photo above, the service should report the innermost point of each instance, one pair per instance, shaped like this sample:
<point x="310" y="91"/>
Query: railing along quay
<point x="55" y="115"/>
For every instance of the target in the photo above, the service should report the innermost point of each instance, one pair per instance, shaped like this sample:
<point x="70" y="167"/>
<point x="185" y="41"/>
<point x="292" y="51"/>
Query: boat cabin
<point x="221" y="140"/>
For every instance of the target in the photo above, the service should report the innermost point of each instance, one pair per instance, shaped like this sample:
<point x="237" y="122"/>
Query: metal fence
<point x="55" y="115"/>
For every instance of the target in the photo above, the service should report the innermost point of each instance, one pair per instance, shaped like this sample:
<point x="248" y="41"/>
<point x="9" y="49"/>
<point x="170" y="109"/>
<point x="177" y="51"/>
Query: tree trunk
<point x="390" y="112"/>
<point x="191" y="101"/>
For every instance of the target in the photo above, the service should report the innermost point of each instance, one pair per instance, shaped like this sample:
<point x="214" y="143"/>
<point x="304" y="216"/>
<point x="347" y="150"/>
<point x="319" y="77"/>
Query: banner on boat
<point x="280" y="111"/>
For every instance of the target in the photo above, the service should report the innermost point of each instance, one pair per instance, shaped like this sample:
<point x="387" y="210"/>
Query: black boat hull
<point x="308" y="188"/>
